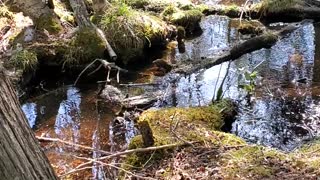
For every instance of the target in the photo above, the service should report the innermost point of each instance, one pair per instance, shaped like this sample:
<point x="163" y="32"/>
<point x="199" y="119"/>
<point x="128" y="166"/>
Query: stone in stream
<point x="112" y="97"/>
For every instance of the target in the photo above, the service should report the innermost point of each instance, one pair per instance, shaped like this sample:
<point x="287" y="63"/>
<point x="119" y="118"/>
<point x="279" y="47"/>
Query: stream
<point x="283" y="112"/>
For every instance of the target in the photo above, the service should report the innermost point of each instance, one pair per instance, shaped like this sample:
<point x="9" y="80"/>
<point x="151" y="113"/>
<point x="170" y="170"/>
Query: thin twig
<point x="72" y="144"/>
<point x="84" y="71"/>
<point x="144" y="150"/>
<point x="74" y="171"/>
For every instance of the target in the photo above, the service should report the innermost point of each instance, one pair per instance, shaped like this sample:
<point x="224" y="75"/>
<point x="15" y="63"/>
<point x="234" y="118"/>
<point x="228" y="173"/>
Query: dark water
<point x="284" y="108"/>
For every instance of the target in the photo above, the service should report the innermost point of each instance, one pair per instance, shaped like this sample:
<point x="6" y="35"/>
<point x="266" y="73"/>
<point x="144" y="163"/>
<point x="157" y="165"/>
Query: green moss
<point x="24" y="60"/>
<point x="131" y="31"/>
<point x="188" y="19"/>
<point x="278" y="5"/>
<point x="251" y="162"/>
<point x="141" y="158"/>
<point x="234" y="158"/>
<point x="139" y="4"/>
<point x="232" y="9"/>
<point x="209" y="115"/>
<point x="50" y="23"/>
<point x="86" y="46"/>
<point x="168" y="11"/>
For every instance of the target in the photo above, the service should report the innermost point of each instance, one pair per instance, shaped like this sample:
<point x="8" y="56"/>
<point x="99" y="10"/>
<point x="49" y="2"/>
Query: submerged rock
<point x="112" y="98"/>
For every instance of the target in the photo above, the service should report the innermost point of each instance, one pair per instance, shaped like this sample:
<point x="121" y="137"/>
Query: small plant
<point x="247" y="81"/>
<point x="25" y="60"/>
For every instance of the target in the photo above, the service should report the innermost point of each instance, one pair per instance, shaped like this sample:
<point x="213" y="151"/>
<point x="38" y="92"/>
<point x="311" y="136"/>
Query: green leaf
<point x="254" y="74"/>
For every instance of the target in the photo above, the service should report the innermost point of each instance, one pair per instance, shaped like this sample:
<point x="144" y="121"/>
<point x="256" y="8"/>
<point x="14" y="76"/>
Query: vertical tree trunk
<point x="21" y="156"/>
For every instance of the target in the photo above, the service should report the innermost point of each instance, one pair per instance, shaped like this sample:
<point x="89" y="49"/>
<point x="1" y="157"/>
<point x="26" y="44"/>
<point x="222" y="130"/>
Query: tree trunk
<point x="21" y="156"/>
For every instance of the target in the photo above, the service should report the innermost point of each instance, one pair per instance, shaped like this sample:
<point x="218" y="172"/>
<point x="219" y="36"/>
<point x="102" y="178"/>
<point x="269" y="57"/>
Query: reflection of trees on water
<point x="279" y="118"/>
<point x="284" y="111"/>
<point x="68" y="117"/>
<point x="30" y="110"/>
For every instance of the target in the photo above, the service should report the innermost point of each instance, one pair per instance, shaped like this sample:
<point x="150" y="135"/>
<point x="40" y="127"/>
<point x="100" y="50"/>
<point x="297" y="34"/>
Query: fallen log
<point x="266" y="40"/>
<point x="289" y="14"/>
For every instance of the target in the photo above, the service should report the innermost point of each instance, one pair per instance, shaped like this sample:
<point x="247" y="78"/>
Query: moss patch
<point x="229" y="155"/>
<point x="84" y="47"/>
<point x="278" y="5"/>
<point x="188" y="19"/>
<point x="131" y="31"/>
<point x="24" y="60"/>
<point x="50" y="23"/>
<point x="141" y="158"/>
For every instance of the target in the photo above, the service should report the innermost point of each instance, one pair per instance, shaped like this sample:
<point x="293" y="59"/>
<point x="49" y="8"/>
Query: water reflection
<point x="68" y="117"/>
<point x="71" y="115"/>
<point x="284" y="109"/>
<point x="214" y="39"/>
<point x="30" y="110"/>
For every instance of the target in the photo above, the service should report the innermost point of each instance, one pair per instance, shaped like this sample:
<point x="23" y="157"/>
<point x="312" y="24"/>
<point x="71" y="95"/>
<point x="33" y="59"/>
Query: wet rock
<point x="112" y="97"/>
<point x="29" y="34"/>
<point x="162" y="66"/>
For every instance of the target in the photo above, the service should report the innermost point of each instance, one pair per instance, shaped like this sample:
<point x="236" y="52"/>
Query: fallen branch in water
<point x="56" y="140"/>
<point x="107" y="65"/>
<point x="266" y="40"/>
<point x="289" y="14"/>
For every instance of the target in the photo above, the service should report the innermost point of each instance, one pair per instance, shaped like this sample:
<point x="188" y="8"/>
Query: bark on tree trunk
<point x="21" y="156"/>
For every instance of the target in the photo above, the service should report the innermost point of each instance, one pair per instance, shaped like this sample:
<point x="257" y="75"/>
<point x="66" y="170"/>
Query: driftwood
<point x="141" y="101"/>
<point x="287" y="14"/>
<point x="266" y="40"/>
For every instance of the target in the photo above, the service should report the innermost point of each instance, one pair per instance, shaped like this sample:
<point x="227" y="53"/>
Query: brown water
<point x="73" y="115"/>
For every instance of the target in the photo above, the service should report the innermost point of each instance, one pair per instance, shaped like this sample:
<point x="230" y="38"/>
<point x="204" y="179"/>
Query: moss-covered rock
<point x="232" y="157"/>
<point x="49" y="22"/>
<point x="158" y="6"/>
<point x="273" y="6"/>
<point x="130" y="31"/>
<point x="188" y="19"/>
<point x="85" y="46"/>
<point x="191" y="124"/>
